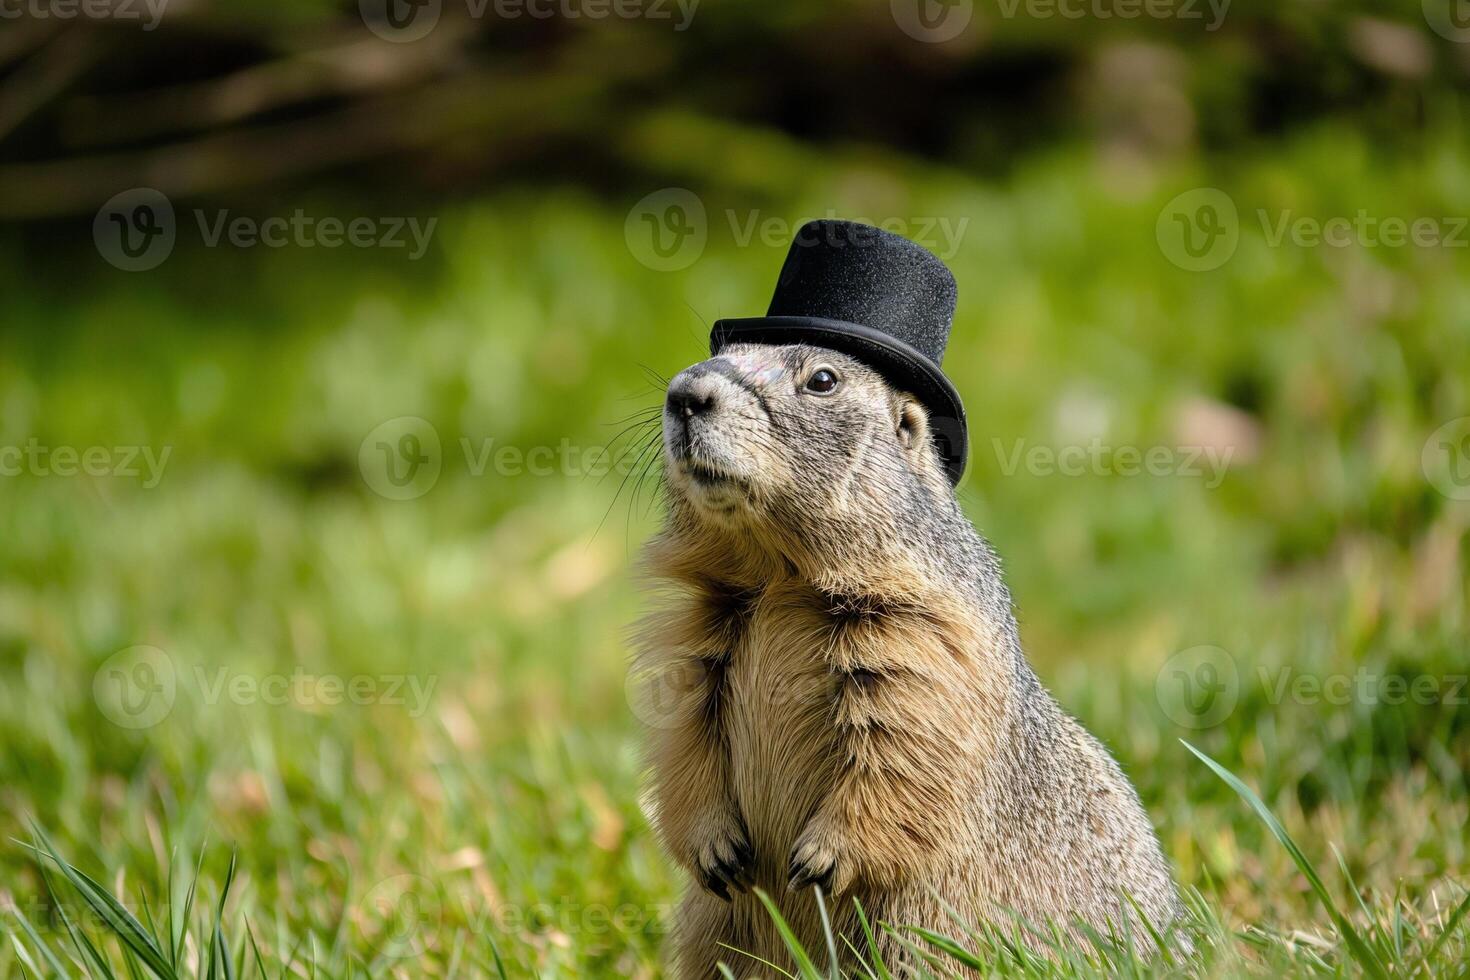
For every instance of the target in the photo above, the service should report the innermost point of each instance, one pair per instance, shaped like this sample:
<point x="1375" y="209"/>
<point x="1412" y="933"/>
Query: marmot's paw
<point x="727" y="861"/>
<point x="815" y="861"/>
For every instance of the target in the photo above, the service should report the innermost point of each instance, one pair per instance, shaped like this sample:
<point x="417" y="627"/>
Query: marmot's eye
<point x="822" y="382"/>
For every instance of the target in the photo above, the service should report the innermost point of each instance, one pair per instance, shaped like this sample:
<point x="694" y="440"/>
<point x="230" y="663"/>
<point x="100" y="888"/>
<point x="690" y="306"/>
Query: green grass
<point x="494" y="818"/>
<point x="1377" y="942"/>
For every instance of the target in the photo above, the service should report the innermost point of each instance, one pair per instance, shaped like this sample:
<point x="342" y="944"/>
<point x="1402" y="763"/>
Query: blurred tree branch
<point x="225" y="95"/>
<point x="388" y="98"/>
<point x="344" y="70"/>
<point x="46" y="75"/>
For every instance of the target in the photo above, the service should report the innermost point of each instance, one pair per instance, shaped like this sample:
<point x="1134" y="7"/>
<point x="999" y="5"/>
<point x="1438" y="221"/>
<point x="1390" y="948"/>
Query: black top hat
<point x="872" y="295"/>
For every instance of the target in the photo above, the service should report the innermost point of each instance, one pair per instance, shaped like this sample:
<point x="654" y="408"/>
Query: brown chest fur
<point x="884" y="750"/>
<point x="780" y="694"/>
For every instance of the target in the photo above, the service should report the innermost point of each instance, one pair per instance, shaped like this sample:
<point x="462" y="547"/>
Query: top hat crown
<point x="874" y="296"/>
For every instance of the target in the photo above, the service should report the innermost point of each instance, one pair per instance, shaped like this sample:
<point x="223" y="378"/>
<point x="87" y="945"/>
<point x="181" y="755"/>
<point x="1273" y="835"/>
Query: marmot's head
<point x="795" y="435"/>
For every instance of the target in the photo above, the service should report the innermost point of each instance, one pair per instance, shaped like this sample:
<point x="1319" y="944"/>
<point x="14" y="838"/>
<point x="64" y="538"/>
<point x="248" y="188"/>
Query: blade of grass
<point x="1359" y="949"/>
<point x="857" y="957"/>
<point x="255" y="948"/>
<point x="1454" y="921"/>
<point x="793" y="945"/>
<point x="1347" y="876"/>
<point x="762" y="962"/>
<point x="90" y="958"/>
<point x="168" y="898"/>
<point x="118" y="919"/>
<point x="219" y="946"/>
<point x="188" y="908"/>
<point x="827" y="934"/>
<point x="908" y="944"/>
<point x="949" y="947"/>
<point x="1153" y="933"/>
<point x="499" y="963"/>
<point x="873" y="951"/>
<point x="42" y="947"/>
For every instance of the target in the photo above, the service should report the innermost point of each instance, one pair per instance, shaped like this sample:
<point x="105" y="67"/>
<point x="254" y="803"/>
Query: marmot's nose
<point x="692" y="394"/>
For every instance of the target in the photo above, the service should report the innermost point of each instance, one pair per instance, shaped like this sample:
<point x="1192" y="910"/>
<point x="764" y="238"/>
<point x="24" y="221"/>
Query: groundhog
<point x="839" y="696"/>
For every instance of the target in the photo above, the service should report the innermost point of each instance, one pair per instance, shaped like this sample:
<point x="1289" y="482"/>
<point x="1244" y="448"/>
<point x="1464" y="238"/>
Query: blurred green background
<point x="601" y="188"/>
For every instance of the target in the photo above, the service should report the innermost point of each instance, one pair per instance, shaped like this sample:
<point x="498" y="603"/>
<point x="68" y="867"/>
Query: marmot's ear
<point x="911" y="422"/>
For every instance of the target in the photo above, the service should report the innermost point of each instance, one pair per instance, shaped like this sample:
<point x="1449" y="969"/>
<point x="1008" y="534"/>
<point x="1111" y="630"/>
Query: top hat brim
<point x="900" y="364"/>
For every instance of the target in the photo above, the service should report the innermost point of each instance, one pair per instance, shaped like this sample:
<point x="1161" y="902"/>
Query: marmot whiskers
<point x="842" y="699"/>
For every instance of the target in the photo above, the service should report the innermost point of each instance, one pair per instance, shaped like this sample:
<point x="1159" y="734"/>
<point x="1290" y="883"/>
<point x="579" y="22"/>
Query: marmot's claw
<point x="744" y="866"/>
<point x="810" y="866"/>
<point x="728" y="864"/>
<point x="716" y="885"/>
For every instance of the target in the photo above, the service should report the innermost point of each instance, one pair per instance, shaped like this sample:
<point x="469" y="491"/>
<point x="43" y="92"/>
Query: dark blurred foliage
<point x="230" y="96"/>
